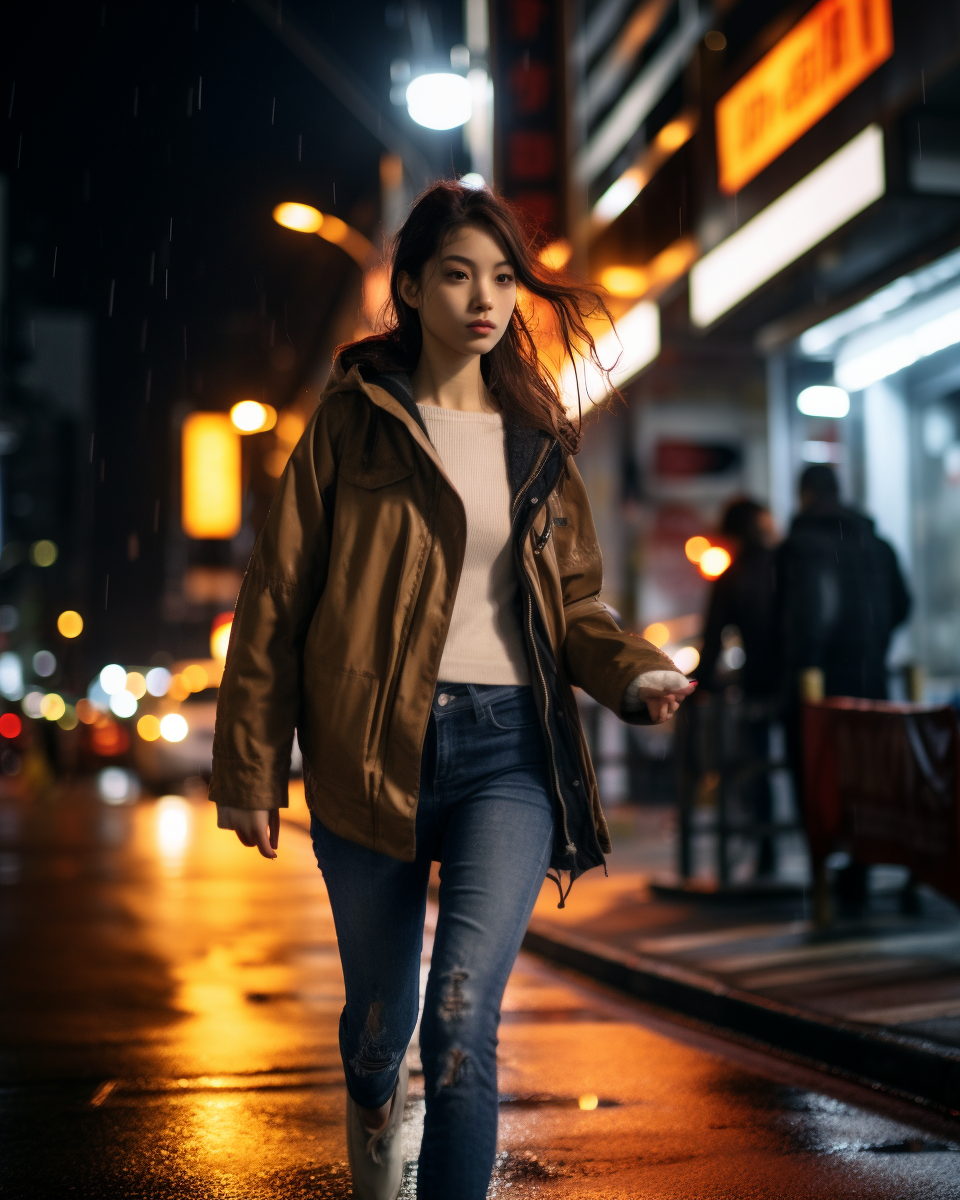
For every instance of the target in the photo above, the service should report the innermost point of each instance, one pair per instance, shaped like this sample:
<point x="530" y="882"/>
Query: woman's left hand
<point x="664" y="693"/>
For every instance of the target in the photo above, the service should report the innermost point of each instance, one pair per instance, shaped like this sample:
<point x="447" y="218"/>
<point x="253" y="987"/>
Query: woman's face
<point x="467" y="293"/>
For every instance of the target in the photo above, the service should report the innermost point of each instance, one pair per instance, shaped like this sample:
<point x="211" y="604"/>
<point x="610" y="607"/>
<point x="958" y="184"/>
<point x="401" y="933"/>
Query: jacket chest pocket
<point x="375" y="475"/>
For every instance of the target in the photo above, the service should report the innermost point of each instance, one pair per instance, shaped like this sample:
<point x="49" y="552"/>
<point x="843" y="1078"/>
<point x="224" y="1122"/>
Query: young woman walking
<point x="420" y="604"/>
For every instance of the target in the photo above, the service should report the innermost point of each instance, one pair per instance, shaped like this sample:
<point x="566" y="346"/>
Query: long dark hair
<point x="512" y="370"/>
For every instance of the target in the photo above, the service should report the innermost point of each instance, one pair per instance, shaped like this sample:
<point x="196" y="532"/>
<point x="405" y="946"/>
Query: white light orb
<point x="823" y="401"/>
<point x="173" y="728"/>
<point x="158" y="681"/>
<point x="440" y="100"/>
<point x="123" y="704"/>
<point x="113" y="679"/>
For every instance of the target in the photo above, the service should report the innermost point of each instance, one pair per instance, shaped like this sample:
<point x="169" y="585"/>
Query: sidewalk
<point x="876" y="995"/>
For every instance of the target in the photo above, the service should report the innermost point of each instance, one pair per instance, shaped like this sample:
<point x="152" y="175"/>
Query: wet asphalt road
<point x="169" y="1019"/>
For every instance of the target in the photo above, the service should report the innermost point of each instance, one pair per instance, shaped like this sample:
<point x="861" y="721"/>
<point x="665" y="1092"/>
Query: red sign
<point x="528" y="108"/>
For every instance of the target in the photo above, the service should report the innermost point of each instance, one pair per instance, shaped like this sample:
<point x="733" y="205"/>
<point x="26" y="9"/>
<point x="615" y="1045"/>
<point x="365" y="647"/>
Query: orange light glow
<point x="250" y="416"/>
<point x="303" y="218"/>
<point x="86" y="712"/>
<point x="809" y="71"/>
<point x="178" y="689"/>
<point x="136" y="684"/>
<point x="657" y="633"/>
<point x="108" y="738"/>
<point x="695" y="548"/>
<point x="556" y="254"/>
<point x="673" y="135"/>
<point x="629" y="282"/>
<point x="714" y="562"/>
<point x="211" y="483"/>
<point x="149" y="727"/>
<point x="195" y="677"/>
<point x="70" y="624"/>
<point x="588" y="1102"/>
<point x="220" y="635"/>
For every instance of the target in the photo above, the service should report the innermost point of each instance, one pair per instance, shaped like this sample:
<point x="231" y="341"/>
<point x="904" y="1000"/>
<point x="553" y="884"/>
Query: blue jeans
<point x="485" y="813"/>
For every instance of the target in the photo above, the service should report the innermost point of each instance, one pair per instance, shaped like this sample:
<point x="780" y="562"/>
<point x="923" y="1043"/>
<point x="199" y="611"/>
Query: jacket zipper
<point x="536" y="655"/>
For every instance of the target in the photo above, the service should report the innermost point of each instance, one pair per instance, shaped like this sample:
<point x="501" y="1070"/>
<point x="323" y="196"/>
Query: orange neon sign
<point x="821" y="60"/>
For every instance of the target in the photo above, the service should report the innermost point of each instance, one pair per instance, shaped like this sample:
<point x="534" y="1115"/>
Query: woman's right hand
<point x="258" y="827"/>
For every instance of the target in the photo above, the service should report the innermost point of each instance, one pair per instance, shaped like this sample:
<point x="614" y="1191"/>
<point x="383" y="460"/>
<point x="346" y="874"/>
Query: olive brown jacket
<point x="344" y="609"/>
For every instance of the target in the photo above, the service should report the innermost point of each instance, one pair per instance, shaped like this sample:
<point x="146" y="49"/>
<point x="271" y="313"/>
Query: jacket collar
<point x="524" y="445"/>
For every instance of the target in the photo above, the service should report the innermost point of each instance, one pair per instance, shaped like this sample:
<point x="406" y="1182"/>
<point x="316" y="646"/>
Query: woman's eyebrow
<point x="470" y="262"/>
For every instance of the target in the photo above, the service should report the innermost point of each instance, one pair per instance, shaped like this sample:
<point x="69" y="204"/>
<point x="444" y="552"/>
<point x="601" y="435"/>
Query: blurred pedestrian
<point x="431" y="526"/>
<point x="740" y="613"/>
<point x="840" y="593"/>
<point x="840" y="596"/>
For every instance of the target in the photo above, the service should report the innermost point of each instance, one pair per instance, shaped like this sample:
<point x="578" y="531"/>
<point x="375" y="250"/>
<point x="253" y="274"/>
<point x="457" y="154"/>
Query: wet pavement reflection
<point x="170" y="1006"/>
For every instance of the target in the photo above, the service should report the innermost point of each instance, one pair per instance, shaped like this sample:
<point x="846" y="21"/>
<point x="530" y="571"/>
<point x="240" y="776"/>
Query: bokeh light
<point x="158" y="681"/>
<point x="10" y="725"/>
<point x="117" y="786"/>
<point x="44" y="553"/>
<point x="686" y="659"/>
<point x="69" y="720"/>
<point x="70" y="624"/>
<point x="588" y="1102"/>
<point x="149" y="727"/>
<point x="250" y="416"/>
<point x="439" y="100"/>
<point x="173" y="728"/>
<point x="303" y="218"/>
<point x="695" y="548"/>
<point x="52" y="706"/>
<point x="714" y="562"/>
<point x="195" y="677"/>
<point x="113" y="679"/>
<point x="220" y="636"/>
<point x="178" y="688"/>
<point x="123" y="704"/>
<point x="11" y="675"/>
<point x="173" y="827"/>
<point x="657" y="633"/>
<point x="44" y="663"/>
<point x="136" y="684"/>
<point x="31" y="704"/>
<point x="87" y="712"/>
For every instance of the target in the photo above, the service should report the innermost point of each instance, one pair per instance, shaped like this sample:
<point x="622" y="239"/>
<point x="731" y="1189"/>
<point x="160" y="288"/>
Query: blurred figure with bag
<point x="739" y="650"/>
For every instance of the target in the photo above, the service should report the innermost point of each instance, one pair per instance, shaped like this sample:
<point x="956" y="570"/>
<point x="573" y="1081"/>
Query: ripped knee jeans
<point x="486" y="816"/>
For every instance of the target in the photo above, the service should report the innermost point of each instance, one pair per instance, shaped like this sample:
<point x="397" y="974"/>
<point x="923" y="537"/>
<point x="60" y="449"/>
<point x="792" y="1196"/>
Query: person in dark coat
<point x="840" y="593"/>
<point x="742" y="602"/>
<point x="840" y="596"/>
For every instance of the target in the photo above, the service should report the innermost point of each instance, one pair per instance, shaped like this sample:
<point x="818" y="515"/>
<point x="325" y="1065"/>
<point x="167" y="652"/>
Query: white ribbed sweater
<point x="484" y="643"/>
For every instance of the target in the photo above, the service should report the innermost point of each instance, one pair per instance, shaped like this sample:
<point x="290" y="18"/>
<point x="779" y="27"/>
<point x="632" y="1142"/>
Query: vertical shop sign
<point x="528" y="114"/>
<point x="809" y="71"/>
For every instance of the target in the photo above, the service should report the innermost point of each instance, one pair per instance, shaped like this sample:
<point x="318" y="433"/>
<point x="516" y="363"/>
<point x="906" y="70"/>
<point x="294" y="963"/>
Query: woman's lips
<point x="481" y="326"/>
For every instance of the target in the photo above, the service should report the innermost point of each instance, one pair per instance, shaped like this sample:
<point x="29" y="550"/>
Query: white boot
<point x="376" y="1159"/>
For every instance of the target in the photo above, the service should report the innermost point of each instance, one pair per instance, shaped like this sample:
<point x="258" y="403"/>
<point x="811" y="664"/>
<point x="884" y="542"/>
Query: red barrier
<point x="882" y="781"/>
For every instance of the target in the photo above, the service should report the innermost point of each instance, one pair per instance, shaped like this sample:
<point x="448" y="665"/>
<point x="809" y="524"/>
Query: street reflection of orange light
<point x="556" y="254"/>
<point x="173" y="826"/>
<point x="695" y="548"/>
<point x="220" y="636"/>
<point x="70" y="624"/>
<point x="149" y="727"/>
<point x="714" y="562"/>
<point x="211" y="487"/>
<point x="250" y="416"/>
<point x="304" y="218"/>
<point x="588" y="1102"/>
<point x="623" y="281"/>
<point x="657" y="633"/>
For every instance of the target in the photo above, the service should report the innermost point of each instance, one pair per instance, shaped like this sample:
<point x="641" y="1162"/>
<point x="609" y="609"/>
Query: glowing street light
<point x="304" y="218"/>
<point x="439" y="100"/>
<point x="70" y="624"/>
<point x="250" y="416"/>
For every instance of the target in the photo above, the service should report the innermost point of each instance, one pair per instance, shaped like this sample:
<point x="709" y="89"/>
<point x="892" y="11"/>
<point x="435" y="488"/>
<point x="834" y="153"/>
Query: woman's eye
<point x="504" y="279"/>
<point x="458" y="274"/>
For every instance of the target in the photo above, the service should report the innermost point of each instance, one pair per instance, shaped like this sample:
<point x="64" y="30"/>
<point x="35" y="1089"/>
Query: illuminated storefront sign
<point x="842" y="186"/>
<point x="810" y="70"/>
